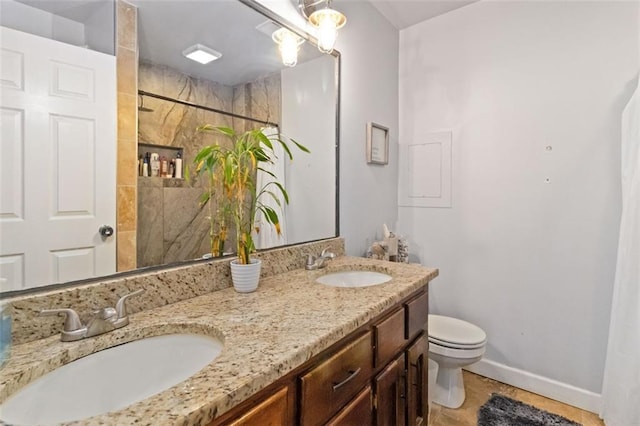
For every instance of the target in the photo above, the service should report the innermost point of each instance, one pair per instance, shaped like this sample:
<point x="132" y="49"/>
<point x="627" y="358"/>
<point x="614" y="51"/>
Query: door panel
<point x="58" y="161"/>
<point x="11" y="169"/>
<point x="74" y="147"/>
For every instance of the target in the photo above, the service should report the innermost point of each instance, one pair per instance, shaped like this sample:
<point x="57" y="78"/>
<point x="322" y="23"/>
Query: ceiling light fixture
<point x="327" y="21"/>
<point x="288" y="43"/>
<point x="201" y="54"/>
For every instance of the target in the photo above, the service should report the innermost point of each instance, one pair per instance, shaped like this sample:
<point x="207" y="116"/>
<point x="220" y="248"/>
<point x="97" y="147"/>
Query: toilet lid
<point x="454" y="332"/>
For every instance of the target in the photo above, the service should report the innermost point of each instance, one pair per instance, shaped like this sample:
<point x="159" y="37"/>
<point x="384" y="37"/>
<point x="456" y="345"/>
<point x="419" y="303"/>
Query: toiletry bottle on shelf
<point x="178" y="169"/>
<point x="164" y="167"/>
<point x="145" y="164"/>
<point x="172" y="168"/>
<point x="140" y="163"/>
<point x="155" y="164"/>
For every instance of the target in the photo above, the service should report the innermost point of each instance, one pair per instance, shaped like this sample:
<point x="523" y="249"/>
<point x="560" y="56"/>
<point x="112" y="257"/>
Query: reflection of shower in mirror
<point x="249" y="83"/>
<point x="141" y="106"/>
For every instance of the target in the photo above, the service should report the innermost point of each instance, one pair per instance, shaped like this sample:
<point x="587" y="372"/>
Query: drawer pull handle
<point x="352" y="374"/>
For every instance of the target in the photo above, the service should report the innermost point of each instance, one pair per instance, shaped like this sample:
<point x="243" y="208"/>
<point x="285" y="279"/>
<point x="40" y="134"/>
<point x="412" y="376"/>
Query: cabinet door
<point x="417" y="407"/>
<point x="391" y="394"/>
<point x="356" y="413"/>
<point x="273" y="411"/>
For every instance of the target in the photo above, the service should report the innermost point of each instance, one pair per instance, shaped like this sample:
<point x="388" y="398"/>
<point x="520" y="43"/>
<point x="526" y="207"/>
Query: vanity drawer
<point x="331" y="384"/>
<point x="389" y="337"/>
<point x="274" y="410"/>
<point x="358" y="412"/>
<point x="417" y="311"/>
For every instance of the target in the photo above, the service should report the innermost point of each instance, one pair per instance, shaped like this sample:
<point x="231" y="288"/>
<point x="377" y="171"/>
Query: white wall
<point x="38" y="22"/>
<point x="100" y="27"/>
<point x="530" y="262"/>
<point x="309" y="116"/>
<point x="369" y="92"/>
<point x="94" y="27"/>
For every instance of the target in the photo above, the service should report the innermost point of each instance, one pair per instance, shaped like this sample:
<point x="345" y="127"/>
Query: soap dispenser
<point x="5" y="332"/>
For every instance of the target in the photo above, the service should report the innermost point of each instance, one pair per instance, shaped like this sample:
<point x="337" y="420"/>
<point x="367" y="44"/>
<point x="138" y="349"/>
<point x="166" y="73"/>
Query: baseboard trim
<point x="544" y="386"/>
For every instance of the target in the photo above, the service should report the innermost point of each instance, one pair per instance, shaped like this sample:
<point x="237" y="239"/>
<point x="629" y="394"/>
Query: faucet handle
<point x="72" y="320"/>
<point x="327" y="254"/>
<point x="121" y="307"/>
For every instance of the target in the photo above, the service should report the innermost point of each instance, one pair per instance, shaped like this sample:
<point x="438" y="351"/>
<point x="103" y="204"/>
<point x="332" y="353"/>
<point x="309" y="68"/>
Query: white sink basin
<point x="353" y="279"/>
<point x="110" y="380"/>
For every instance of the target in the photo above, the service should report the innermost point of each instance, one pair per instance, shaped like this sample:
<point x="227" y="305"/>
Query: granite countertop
<point x="266" y="334"/>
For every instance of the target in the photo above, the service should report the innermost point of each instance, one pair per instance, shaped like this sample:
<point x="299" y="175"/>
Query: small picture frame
<point x="377" y="144"/>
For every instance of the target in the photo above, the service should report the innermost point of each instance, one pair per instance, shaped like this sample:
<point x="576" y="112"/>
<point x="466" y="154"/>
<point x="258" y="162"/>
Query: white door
<point x="57" y="161"/>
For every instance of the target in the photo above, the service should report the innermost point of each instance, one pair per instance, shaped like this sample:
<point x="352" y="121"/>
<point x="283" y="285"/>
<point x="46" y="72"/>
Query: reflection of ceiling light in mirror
<point x="288" y="43"/>
<point x="201" y="53"/>
<point x="267" y="27"/>
<point x="327" y="21"/>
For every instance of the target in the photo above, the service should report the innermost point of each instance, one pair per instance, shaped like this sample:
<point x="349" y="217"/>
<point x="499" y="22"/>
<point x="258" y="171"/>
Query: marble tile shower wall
<point x="161" y="288"/>
<point x="126" y="54"/>
<point x="172" y="226"/>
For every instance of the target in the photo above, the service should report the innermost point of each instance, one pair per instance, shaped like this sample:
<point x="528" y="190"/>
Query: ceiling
<point x="76" y="10"/>
<point x="404" y="13"/>
<point x="247" y="52"/>
<point x="167" y="27"/>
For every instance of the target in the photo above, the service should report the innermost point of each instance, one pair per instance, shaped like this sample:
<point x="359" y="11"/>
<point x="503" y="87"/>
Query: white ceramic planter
<point x="245" y="277"/>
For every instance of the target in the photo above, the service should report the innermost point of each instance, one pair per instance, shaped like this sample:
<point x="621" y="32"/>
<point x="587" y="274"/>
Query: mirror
<point x="245" y="88"/>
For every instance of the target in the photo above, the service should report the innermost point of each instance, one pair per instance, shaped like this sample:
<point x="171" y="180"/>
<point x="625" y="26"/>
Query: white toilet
<point x="453" y="344"/>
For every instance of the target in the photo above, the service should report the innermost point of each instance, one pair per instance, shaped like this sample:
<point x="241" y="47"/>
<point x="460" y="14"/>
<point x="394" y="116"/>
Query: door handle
<point x="105" y="231"/>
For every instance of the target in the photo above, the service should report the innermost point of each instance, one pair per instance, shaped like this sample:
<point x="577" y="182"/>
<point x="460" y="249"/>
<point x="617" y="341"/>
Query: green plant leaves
<point x="234" y="170"/>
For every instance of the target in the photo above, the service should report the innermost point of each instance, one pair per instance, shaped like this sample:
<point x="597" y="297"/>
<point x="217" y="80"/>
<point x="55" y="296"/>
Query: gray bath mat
<point x="502" y="411"/>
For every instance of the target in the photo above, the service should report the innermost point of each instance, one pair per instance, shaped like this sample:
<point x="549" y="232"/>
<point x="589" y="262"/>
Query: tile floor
<point x="479" y="389"/>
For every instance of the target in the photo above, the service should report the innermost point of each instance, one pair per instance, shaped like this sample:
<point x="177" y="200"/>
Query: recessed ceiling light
<point x="201" y="53"/>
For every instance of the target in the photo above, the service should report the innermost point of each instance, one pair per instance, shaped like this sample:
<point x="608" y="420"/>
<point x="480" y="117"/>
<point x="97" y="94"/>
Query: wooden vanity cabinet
<point x="389" y="337"/>
<point x="401" y="388"/>
<point x="390" y="394"/>
<point x="377" y="375"/>
<point x="417" y="367"/>
<point x="327" y="387"/>
<point x="357" y="412"/>
<point x="417" y="313"/>
<point x="272" y="411"/>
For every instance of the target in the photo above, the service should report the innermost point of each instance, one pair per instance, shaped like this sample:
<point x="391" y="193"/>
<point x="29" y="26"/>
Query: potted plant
<point x="233" y="171"/>
<point x="207" y="166"/>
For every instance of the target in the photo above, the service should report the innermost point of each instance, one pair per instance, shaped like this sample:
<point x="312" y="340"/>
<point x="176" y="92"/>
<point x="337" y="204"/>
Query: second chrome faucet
<point x="317" y="262"/>
<point x="102" y="321"/>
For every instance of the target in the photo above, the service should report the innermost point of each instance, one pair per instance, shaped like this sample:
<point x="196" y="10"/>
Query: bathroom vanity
<point x="375" y="375"/>
<point x="294" y="352"/>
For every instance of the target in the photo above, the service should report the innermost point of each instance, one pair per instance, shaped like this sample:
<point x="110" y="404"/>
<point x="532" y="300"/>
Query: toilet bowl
<point x="453" y="344"/>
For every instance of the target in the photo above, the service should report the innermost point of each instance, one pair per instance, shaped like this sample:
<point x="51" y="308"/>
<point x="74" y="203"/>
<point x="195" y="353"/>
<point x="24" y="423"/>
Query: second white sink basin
<point x="111" y="379"/>
<point x="353" y="279"/>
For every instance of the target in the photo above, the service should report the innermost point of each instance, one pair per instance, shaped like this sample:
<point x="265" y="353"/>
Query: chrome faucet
<point x="317" y="262"/>
<point x="102" y="321"/>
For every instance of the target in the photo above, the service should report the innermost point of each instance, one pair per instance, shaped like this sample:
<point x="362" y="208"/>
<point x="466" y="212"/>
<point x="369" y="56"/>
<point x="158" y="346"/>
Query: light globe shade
<point x="288" y="44"/>
<point x="327" y="21"/>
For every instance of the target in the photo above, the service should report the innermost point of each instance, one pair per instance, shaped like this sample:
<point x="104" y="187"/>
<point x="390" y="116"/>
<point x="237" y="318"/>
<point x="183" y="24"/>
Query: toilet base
<point x="449" y="387"/>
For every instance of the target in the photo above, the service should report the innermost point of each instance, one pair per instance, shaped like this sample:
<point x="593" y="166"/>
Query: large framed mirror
<point x="247" y="87"/>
